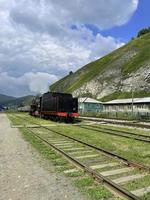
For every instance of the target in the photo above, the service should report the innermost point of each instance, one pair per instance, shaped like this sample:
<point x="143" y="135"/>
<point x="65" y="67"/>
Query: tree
<point x="71" y="72"/>
<point x="143" y="31"/>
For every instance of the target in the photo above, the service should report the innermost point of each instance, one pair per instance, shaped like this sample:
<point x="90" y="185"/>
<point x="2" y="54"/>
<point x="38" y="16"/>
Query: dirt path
<point x="21" y="175"/>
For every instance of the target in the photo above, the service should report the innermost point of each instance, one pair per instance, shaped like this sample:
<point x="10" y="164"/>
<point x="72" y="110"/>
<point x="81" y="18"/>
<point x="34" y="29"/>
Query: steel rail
<point x="99" y="177"/>
<point x="112" y="133"/>
<point x="122" y="131"/>
<point x="125" y="123"/>
<point x="126" y="161"/>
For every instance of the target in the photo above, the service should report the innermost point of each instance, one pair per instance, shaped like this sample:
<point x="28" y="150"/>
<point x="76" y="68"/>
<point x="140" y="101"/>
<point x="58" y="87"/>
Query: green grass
<point x="128" y="148"/>
<point x="25" y="118"/>
<point x="43" y="149"/>
<point x="96" y="191"/>
<point x="86" y="181"/>
<point x="132" y="130"/>
<point x="99" y="192"/>
<point x="143" y="45"/>
<point x="76" y="174"/>
<point x="125" y="95"/>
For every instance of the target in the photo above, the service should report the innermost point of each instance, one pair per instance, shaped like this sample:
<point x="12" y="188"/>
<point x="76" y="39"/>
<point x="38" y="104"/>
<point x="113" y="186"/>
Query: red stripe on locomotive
<point x="60" y="114"/>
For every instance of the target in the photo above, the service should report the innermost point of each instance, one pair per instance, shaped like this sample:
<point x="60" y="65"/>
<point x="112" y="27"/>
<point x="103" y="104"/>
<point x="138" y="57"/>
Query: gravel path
<point x="22" y="177"/>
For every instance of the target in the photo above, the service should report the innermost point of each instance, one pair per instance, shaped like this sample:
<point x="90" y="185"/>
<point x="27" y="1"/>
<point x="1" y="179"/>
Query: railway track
<point x="130" y="163"/>
<point x="104" y="167"/>
<point x="124" y="123"/>
<point x="115" y="132"/>
<point x="111" y="169"/>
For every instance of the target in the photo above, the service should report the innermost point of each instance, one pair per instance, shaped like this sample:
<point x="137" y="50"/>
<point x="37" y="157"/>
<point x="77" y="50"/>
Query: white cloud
<point x="44" y="13"/>
<point x="36" y="39"/>
<point x="33" y="82"/>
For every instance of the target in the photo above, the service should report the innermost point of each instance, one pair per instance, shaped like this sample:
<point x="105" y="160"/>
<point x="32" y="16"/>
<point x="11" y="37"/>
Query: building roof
<point x="128" y="101"/>
<point x="88" y="100"/>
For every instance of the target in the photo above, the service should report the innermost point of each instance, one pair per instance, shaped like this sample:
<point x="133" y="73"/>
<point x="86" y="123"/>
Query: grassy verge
<point x="25" y="118"/>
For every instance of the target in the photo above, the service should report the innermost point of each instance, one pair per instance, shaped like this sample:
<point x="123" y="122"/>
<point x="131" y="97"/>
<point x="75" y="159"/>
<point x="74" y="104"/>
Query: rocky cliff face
<point x="112" y="81"/>
<point x="115" y="73"/>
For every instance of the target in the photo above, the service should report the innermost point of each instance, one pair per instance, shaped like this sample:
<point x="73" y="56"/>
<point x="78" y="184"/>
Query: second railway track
<point x="118" y="122"/>
<point x="115" y="132"/>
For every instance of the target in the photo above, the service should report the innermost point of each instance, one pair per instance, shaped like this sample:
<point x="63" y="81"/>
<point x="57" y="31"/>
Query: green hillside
<point x="22" y="101"/>
<point x="128" y="59"/>
<point x="5" y="98"/>
<point x="13" y="101"/>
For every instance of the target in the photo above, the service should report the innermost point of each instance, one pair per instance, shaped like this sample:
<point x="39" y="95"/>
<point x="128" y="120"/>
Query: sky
<point x="43" y="40"/>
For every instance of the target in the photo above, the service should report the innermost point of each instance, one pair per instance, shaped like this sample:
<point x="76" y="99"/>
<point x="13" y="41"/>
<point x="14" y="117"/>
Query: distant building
<point x="89" y="105"/>
<point x="24" y="109"/>
<point x="125" y="105"/>
<point x="1" y="108"/>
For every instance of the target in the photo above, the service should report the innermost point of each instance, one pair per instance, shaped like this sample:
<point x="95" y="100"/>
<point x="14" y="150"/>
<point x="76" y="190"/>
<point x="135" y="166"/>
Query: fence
<point x="144" y="116"/>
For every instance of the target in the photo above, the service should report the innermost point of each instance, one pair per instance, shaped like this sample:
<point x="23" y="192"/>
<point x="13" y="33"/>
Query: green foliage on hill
<point x="5" y="98"/>
<point x="125" y="95"/>
<point x="13" y="101"/>
<point x="143" y="31"/>
<point x="139" y="47"/>
<point x="22" y="101"/>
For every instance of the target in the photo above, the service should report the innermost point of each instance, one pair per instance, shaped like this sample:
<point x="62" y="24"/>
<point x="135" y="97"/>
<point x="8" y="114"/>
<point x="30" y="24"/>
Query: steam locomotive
<point x="55" y="106"/>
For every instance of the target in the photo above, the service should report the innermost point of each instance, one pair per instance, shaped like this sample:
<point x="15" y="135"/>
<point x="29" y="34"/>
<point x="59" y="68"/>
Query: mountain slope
<point x="21" y="101"/>
<point x="13" y="101"/>
<point x="5" y="98"/>
<point x="112" y="76"/>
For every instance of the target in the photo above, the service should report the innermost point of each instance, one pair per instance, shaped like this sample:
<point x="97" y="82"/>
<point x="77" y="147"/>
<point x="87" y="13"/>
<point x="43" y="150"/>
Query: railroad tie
<point x="116" y="171"/>
<point x="100" y="166"/>
<point x="17" y="126"/>
<point x="141" y="192"/>
<point x="71" y="171"/>
<point x="58" y="141"/>
<point x="72" y="149"/>
<point x="87" y="156"/>
<point x="63" y="144"/>
<point x="128" y="178"/>
<point x="80" y="152"/>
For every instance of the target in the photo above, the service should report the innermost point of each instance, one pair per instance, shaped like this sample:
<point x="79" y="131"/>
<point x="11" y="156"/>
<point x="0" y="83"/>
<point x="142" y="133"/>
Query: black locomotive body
<point x="55" y="106"/>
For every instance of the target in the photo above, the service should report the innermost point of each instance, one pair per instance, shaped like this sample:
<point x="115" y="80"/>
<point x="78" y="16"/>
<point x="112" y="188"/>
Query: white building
<point x="89" y="105"/>
<point x="126" y="105"/>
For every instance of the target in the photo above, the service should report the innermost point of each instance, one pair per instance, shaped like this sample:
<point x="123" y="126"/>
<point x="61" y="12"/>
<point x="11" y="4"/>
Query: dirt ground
<point x="22" y="176"/>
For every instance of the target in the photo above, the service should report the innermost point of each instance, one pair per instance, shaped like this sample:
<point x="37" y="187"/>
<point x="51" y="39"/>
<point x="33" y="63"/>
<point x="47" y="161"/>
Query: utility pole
<point x="132" y="90"/>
